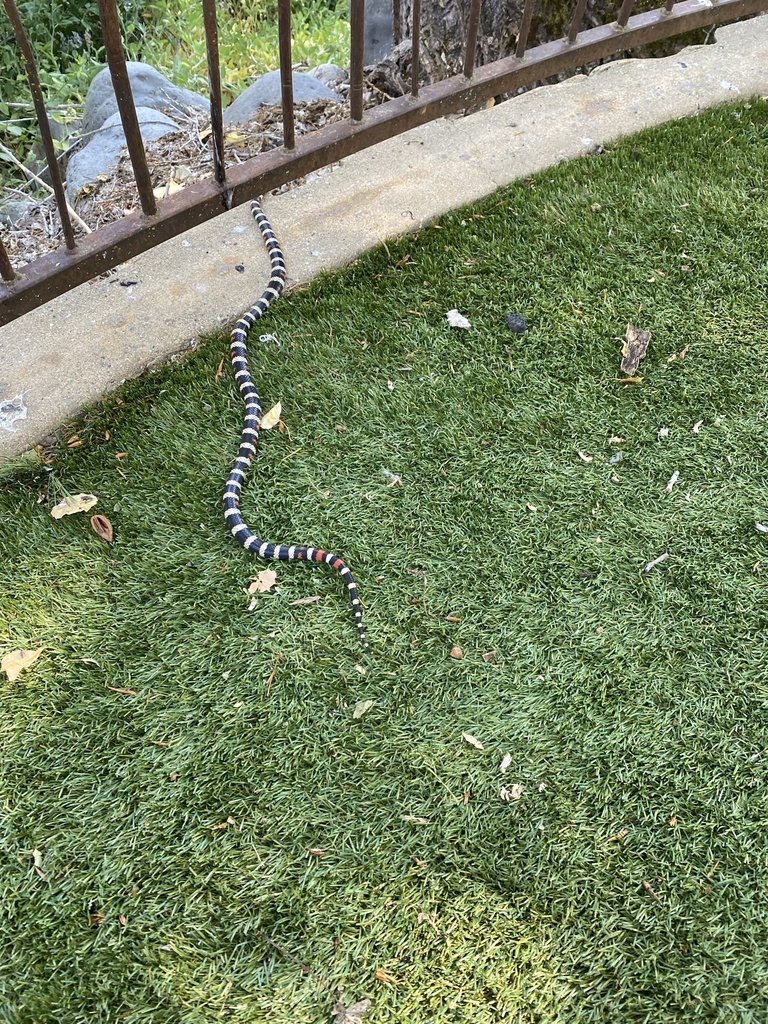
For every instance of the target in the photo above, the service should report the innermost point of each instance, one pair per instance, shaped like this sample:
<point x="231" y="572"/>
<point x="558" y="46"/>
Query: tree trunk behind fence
<point x="444" y="31"/>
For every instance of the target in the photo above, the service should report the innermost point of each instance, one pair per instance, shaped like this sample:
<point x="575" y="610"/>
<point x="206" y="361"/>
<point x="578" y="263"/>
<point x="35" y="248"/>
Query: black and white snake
<point x="250" y="433"/>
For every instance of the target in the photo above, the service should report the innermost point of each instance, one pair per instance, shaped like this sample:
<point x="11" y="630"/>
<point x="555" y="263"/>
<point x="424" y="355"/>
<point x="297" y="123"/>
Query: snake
<point x="249" y="436"/>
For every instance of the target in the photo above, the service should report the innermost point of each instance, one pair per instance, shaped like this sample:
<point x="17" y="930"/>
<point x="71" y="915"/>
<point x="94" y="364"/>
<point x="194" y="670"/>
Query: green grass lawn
<point x="195" y="825"/>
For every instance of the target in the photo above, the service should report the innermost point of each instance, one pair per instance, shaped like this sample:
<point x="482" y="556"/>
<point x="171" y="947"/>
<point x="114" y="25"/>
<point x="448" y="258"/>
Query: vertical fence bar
<point x="576" y="20"/>
<point x="286" y="72"/>
<point x="624" y="13"/>
<point x="6" y="270"/>
<point x="214" y="88"/>
<point x="415" y="42"/>
<point x="113" y="44"/>
<point x="42" y="120"/>
<point x="525" y="28"/>
<point x="356" y="33"/>
<point x="397" y="25"/>
<point x="474" y="25"/>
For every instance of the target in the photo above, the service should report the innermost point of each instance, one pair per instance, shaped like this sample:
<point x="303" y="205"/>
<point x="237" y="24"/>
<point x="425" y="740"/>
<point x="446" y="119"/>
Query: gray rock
<point x="16" y="210"/>
<point x="265" y="92"/>
<point x="329" y="74"/>
<point x="101" y="154"/>
<point x="36" y="159"/>
<point x="150" y="89"/>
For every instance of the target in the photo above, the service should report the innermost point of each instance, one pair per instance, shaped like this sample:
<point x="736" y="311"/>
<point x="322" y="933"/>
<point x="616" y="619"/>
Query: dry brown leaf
<point x="14" y="663"/>
<point x="102" y="527"/>
<point x="304" y="600"/>
<point x="263" y="582"/>
<point x="73" y="503"/>
<point x="617" y="838"/>
<point x="472" y="741"/>
<point x="381" y="975"/>
<point x="649" y="889"/>
<point x="635" y="347"/>
<point x="362" y="707"/>
<point x="224" y="824"/>
<point x="272" y="418"/>
<point x="489" y="657"/>
<point x="457" y="653"/>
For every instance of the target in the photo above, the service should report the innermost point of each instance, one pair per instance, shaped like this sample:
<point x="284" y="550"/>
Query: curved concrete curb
<point x="78" y="348"/>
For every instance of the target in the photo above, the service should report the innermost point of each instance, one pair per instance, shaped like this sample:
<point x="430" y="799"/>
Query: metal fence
<point x="82" y="259"/>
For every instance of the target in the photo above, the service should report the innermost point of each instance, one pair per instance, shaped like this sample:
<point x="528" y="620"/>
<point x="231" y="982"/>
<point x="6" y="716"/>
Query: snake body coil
<point x="250" y="433"/>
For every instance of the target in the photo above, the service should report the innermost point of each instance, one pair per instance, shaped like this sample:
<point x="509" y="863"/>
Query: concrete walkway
<point x="79" y="347"/>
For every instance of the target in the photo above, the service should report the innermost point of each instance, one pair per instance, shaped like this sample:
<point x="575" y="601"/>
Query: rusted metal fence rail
<point x="105" y="248"/>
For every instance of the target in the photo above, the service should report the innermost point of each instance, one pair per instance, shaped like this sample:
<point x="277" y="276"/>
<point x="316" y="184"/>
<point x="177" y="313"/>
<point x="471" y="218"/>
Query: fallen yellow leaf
<point x="167" y="190"/>
<point x="272" y="418"/>
<point x="73" y="503"/>
<point x="263" y="582"/>
<point x="15" y="662"/>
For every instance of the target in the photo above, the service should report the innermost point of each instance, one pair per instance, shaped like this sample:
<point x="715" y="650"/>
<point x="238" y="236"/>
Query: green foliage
<point x="66" y="40"/>
<point x="247" y="40"/>
<point x="171" y="762"/>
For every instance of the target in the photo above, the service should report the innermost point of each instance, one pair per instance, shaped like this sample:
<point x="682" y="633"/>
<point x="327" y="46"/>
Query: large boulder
<point x="265" y="92"/>
<point x="150" y="89"/>
<point x="102" y="153"/>
<point x="329" y="74"/>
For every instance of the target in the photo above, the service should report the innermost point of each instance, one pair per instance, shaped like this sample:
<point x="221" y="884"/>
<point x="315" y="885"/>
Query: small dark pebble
<point x="516" y="323"/>
<point x="240" y="268"/>
<point x="128" y="284"/>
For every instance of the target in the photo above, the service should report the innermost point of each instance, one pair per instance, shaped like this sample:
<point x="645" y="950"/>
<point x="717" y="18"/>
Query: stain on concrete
<point x="12" y="409"/>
